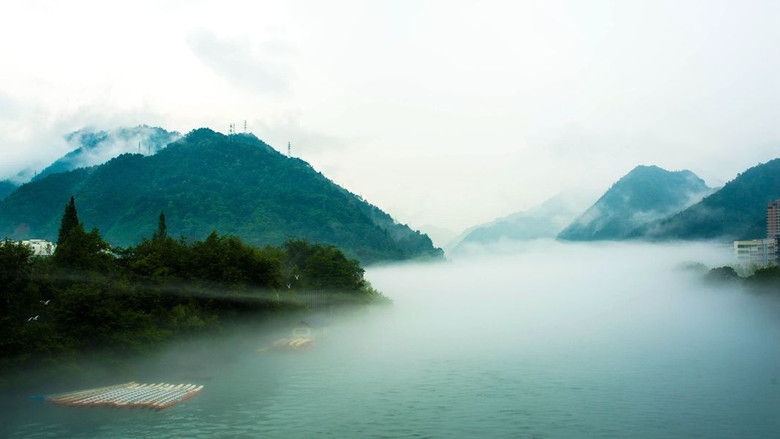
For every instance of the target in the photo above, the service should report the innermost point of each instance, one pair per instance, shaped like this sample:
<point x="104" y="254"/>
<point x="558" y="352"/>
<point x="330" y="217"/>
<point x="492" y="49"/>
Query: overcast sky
<point x="446" y="113"/>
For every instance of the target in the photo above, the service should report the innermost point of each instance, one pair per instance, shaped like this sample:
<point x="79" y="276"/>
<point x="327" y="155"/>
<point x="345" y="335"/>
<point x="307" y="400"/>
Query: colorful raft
<point x="132" y="394"/>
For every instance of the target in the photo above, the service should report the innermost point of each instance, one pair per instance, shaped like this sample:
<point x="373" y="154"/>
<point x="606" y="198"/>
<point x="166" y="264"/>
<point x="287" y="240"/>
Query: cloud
<point x="257" y="68"/>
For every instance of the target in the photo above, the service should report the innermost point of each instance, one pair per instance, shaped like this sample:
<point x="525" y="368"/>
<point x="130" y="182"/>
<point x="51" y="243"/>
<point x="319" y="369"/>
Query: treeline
<point x="91" y="296"/>
<point x="764" y="280"/>
<point x="236" y="184"/>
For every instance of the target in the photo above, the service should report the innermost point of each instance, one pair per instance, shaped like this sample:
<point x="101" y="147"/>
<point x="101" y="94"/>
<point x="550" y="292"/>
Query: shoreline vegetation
<point x="755" y="280"/>
<point x="123" y="302"/>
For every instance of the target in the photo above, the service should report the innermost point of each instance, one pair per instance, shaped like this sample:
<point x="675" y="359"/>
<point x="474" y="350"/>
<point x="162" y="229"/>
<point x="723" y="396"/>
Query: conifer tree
<point x="70" y="219"/>
<point x="162" y="228"/>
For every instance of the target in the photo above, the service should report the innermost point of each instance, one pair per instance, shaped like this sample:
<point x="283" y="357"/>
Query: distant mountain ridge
<point x="543" y="221"/>
<point x="645" y="194"/>
<point x="90" y="147"/>
<point x="736" y="211"/>
<point x="97" y="147"/>
<point x="208" y="181"/>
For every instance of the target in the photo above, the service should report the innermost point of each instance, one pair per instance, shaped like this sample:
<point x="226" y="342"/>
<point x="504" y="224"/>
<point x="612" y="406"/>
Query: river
<point x="544" y="340"/>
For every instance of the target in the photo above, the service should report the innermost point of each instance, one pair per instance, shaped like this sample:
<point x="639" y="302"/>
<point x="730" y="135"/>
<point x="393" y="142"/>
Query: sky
<point x="442" y="113"/>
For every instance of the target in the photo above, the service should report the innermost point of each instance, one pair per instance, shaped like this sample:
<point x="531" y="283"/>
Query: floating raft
<point x="132" y="394"/>
<point x="298" y="344"/>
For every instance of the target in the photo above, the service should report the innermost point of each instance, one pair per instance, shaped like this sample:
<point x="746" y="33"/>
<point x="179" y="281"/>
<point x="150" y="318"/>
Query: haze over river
<point x="543" y="340"/>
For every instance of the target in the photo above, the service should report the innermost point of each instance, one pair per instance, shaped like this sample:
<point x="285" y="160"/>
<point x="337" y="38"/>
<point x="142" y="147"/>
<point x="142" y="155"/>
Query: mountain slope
<point x="543" y="221"/>
<point x="645" y="194"/>
<point x="33" y="210"/>
<point x="6" y="187"/>
<point x="97" y="147"/>
<point x="90" y="148"/>
<point x="736" y="211"/>
<point x="235" y="184"/>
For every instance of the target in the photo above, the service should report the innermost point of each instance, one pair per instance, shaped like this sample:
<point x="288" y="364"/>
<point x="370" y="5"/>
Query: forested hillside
<point x="207" y="181"/>
<point x="6" y="187"/>
<point x="645" y="194"/>
<point x="737" y="211"/>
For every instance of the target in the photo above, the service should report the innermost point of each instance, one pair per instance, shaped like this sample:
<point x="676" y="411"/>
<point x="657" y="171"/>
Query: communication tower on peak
<point x="232" y="129"/>
<point x="289" y="150"/>
<point x="244" y="126"/>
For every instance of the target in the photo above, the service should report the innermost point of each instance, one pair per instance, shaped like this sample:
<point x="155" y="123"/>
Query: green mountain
<point x="736" y="211"/>
<point x="97" y="147"/>
<point x="6" y="187"/>
<point x="645" y="194"/>
<point x="207" y="181"/>
<point x="89" y="148"/>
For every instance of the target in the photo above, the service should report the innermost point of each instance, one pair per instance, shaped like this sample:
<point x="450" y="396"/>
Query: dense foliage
<point x="737" y="211"/>
<point x="761" y="280"/>
<point x="205" y="181"/>
<point x="645" y="194"/>
<point x="89" y="295"/>
<point x="6" y="187"/>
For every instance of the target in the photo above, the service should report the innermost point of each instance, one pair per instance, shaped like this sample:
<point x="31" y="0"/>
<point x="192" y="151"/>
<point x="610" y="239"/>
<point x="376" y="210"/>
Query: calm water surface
<point x="552" y="342"/>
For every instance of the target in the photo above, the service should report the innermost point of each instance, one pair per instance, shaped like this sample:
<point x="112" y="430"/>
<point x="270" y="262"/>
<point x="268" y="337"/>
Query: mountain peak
<point x="736" y="211"/>
<point x="93" y="147"/>
<point x="645" y="194"/>
<point x="207" y="181"/>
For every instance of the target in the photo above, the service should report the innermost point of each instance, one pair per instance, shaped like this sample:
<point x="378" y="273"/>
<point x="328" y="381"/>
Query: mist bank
<point x="542" y="294"/>
<point x="550" y="339"/>
<point x="544" y="339"/>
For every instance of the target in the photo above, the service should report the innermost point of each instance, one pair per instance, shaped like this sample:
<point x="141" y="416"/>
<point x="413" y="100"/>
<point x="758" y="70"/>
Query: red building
<point x="773" y="219"/>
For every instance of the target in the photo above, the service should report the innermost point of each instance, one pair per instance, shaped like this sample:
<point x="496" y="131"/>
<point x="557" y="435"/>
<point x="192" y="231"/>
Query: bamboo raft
<point x="132" y="394"/>
<point x="299" y="344"/>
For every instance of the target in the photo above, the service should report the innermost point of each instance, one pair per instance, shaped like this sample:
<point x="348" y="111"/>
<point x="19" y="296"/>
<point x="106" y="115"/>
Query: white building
<point x="40" y="247"/>
<point x="760" y="252"/>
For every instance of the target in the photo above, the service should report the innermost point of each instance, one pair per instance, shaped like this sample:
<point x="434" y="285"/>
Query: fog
<point x="538" y="339"/>
<point x="569" y="298"/>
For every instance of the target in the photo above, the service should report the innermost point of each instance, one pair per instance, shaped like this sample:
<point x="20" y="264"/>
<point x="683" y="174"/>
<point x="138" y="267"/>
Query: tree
<point x="765" y="280"/>
<point x="78" y="249"/>
<point x="15" y="270"/>
<point x="17" y="298"/>
<point x="722" y="275"/>
<point x="84" y="251"/>
<point x="162" y="229"/>
<point x="70" y="219"/>
<point x="322" y="267"/>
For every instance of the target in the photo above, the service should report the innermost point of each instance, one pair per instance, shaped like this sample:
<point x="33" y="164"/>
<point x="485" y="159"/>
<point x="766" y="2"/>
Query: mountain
<point x="208" y="181"/>
<point x="543" y="221"/>
<point x="97" y="147"/>
<point x="6" y="187"/>
<point x="89" y="148"/>
<point x="736" y="211"/>
<point x="645" y="194"/>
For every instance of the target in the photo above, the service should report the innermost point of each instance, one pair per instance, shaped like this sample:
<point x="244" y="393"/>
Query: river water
<point x="542" y="341"/>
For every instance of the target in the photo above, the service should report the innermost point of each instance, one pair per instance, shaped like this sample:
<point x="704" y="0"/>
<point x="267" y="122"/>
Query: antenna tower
<point x="244" y="126"/>
<point x="289" y="150"/>
<point x="231" y="128"/>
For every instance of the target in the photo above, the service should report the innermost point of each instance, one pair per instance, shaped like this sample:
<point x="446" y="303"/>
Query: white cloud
<point x="243" y="65"/>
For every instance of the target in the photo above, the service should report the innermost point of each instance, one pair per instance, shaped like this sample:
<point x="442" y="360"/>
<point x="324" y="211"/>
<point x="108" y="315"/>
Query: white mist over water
<point x="591" y="338"/>
<point x="545" y="340"/>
